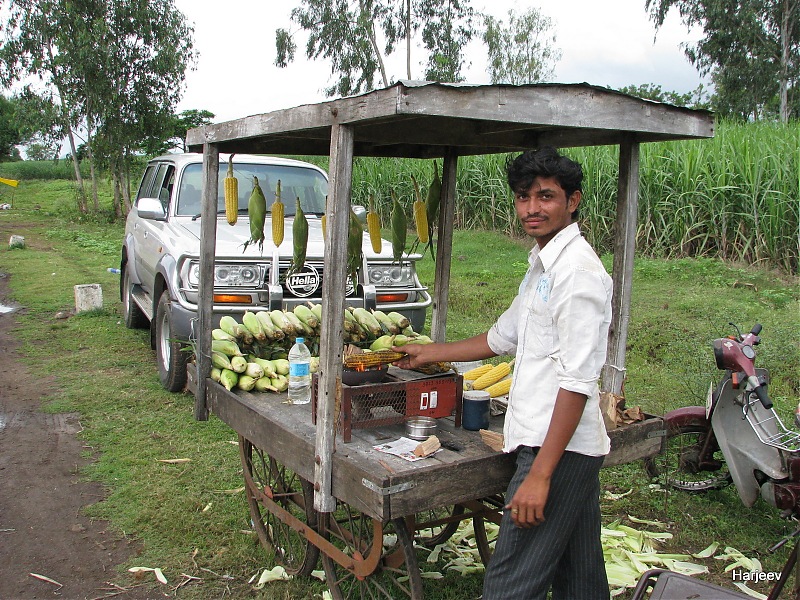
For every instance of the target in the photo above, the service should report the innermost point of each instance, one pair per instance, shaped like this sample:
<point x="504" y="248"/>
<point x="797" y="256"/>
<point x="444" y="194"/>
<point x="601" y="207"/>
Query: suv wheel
<point x="131" y="313"/>
<point x="170" y="353"/>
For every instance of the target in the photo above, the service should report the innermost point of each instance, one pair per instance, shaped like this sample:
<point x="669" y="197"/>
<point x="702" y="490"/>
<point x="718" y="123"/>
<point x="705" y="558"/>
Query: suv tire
<point x="131" y="313"/>
<point x="170" y="354"/>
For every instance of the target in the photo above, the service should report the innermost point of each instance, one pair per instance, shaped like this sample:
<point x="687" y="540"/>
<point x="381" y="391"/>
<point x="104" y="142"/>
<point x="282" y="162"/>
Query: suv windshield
<point x="296" y="182"/>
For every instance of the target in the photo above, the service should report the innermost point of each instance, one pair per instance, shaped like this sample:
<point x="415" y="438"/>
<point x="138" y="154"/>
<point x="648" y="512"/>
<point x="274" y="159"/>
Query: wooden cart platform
<point x="384" y="486"/>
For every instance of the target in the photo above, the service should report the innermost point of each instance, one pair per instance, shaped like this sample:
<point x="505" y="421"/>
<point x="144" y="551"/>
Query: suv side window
<point x="147" y="182"/>
<point x="164" y="180"/>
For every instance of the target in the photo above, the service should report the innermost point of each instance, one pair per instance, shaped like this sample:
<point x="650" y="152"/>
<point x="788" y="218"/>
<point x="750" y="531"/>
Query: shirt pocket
<point x="539" y="330"/>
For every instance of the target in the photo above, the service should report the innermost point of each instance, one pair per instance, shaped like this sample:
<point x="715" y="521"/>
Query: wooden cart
<point x="376" y="493"/>
<point x="356" y="498"/>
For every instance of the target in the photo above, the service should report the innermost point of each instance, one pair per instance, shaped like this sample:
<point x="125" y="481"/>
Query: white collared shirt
<point x="557" y="327"/>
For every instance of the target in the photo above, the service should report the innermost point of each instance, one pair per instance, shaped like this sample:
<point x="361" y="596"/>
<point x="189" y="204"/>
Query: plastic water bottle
<point x="299" y="373"/>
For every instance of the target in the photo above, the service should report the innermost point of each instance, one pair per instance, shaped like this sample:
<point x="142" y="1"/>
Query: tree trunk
<point x="90" y="156"/>
<point x="77" y="165"/>
<point x="786" y="20"/>
<point x="374" y="43"/>
<point x="408" y="39"/>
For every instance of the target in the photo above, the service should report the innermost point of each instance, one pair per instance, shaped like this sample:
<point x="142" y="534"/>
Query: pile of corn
<point x="252" y="354"/>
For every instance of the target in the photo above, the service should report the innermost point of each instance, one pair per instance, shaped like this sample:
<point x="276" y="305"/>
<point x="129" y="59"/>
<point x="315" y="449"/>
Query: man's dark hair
<point x="544" y="162"/>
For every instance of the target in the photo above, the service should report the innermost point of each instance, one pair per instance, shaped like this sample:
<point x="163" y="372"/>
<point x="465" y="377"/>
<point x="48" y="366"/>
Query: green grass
<point x="190" y="518"/>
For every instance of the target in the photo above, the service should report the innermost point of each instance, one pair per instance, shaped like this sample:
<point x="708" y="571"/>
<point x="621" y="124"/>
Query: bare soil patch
<point x="43" y="529"/>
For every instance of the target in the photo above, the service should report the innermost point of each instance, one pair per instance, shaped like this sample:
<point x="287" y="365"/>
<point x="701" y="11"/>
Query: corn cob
<point x="246" y="383"/>
<point x="277" y="212"/>
<point x="420" y="214"/>
<point x="281" y="321"/>
<point x="401" y="320"/>
<point x="374" y="227"/>
<point x="229" y="325"/>
<point x="239" y="364"/>
<point x="220" y="360"/>
<point x="498" y="372"/>
<point x="387" y="324"/>
<point x="355" y="253"/>
<point x="220" y="334"/>
<point x="300" y="327"/>
<point x="399" y="228"/>
<point x="266" y="365"/>
<point x="473" y="374"/>
<point x="385" y="342"/>
<point x="368" y="321"/>
<point x="215" y="374"/>
<point x="281" y="366"/>
<point x="501" y="388"/>
<point x="372" y="359"/>
<point x="254" y="326"/>
<point x="271" y="331"/>
<point x="231" y="195"/>
<point x="254" y="370"/>
<point x="264" y="384"/>
<point x="228" y="378"/>
<point x="299" y="238"/>
<point x="257" y="210"/>
<point x="324" y="220"/>
<point x="307" y="316"/>
<point x="226" y="347"/>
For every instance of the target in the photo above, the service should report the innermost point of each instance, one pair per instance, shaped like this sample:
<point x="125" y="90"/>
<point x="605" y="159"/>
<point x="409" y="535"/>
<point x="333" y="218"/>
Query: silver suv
<point x="160" y="255"/>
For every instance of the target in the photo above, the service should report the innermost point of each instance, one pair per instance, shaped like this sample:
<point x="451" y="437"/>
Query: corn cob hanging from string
<point x="278" y="212"/>
<point x="299" y="238"/>
<point x="374" y="226"/>
<point x="399" y="228"/>
<point x="420" y="217"/>
<point x="432" y="205"/>
<point x="231" y="194"/>
<point x="355" y="253"/>
<point x="257" y="211"/>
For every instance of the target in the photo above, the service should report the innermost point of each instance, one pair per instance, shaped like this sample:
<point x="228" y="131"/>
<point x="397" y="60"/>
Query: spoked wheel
<point x="485" y="538"/>
<point x="681" y="465"/>
<point x="432" y="527"/>
<point x="271" y="487"/>
<point x="384" y="564"/>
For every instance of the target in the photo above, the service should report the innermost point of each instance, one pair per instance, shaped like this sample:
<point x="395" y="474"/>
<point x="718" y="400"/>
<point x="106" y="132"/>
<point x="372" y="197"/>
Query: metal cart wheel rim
<point x="267" y="481"/>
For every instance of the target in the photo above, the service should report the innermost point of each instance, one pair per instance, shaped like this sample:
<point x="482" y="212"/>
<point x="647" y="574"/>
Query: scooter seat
<point x="660" y="584"/>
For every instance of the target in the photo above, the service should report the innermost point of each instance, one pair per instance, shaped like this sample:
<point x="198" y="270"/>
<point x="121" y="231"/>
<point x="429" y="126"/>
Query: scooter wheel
<point x="679" y="465"/>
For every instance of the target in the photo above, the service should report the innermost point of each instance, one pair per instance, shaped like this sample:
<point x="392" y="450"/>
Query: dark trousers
<point x="564" y="553"/>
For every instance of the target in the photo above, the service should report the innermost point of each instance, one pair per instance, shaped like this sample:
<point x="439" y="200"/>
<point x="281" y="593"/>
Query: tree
<point x="522" y="52"/>
<point x="751" y="49"/>
<point x="9" y="132"/>
<point x="694" y="99"/>
<point x="39" y="120"/>
<point x="357" y="35"/>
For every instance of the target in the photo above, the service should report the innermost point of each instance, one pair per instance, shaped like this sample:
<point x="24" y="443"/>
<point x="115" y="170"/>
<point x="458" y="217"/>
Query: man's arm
<point x="527" y="505"/>
<point x="417" y="355"/>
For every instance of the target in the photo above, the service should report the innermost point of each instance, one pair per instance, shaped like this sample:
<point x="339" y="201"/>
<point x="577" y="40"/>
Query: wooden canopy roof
<point x="422" y="120"/>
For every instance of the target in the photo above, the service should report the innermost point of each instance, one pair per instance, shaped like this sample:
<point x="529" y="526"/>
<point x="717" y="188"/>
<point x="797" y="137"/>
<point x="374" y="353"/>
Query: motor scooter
<point x="736" y="437"/>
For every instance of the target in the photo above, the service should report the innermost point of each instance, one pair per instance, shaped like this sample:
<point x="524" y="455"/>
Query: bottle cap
<point x="299" y="340"/>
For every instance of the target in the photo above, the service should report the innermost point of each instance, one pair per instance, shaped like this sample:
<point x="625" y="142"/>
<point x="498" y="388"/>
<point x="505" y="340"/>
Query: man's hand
<point x="527" y="505"/>
<point x="414" y="355"/>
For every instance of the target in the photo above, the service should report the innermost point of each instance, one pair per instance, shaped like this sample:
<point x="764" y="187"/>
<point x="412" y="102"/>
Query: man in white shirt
<point x="557" y="327"/>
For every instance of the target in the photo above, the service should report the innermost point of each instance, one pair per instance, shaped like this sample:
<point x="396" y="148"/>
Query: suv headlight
<point x="391" y="275"/>
<point x="228" y="275"/>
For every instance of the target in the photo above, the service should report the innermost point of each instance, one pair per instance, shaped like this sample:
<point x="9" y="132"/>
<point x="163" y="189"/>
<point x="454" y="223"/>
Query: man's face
<point x="544" y="209"/>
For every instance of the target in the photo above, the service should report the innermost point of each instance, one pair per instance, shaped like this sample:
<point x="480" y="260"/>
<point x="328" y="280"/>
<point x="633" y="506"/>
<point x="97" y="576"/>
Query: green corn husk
<point x="220" y="360"/>
<point x="264" y="384"/>
<point x="229" y="325"/>
<point x="221" y="334"/>
<point x="254" y="370"/>
<point x="239" y="364"/>
<point x="215" y="373"/>
<point x="226" y="347"/>
<point x="280" y="383"/>
<point x="246" y="383"/>
<point x="229" y="379"/>
<point x="253" y="325"/>
<point x="266" y="365"/>
<point x="257" y="210"/>
<point x="281" y="366"/>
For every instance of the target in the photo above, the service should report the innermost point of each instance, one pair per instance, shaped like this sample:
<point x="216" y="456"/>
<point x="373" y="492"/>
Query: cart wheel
<point x="396" y="574"/>
<point x="265" y="480"/>
<point x="484" y="539"/>
<point x="429" y="534"/>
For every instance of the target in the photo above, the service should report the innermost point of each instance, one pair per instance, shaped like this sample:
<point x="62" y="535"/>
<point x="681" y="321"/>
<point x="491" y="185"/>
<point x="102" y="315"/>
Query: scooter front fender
<point x="686" y="415"/>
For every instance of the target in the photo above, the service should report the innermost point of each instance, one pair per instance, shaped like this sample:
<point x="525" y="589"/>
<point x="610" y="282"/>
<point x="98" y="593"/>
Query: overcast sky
<point x="606" y="43"/>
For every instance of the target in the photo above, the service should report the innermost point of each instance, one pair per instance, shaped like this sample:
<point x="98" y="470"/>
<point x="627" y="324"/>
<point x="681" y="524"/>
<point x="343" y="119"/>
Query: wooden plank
<point x="205" y="304"/>
<point x="624" y="247"/>
<point x="444" y="247"/>
<point x="333" y="291"/>
<point x="636" y="441"/>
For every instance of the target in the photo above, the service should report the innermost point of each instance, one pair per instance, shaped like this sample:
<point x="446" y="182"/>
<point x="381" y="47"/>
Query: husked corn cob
<point x="372" y="359"/>
<point x="231" y="195"/>
<point x="473" y="374"/>
<point x="277" y="212"/>
<point x="501" y="388"/>
<point x="420" y="214"/>
<point x="374" y="227"/>
<point x="498" y="372"/>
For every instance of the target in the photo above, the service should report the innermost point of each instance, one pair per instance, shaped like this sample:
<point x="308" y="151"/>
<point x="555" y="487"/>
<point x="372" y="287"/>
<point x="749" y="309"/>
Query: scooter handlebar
<point x="761" y="394"/>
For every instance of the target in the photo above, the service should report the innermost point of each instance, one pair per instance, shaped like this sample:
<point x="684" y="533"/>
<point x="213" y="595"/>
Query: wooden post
<point x="205" y="302"/>
<point x="333" y="306"/>
<point x="624" y="247"/>
<point x="444" y="247"/>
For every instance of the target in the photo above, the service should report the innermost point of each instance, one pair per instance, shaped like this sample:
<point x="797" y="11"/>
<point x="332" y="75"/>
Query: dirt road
<point x="48" y="547"/>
